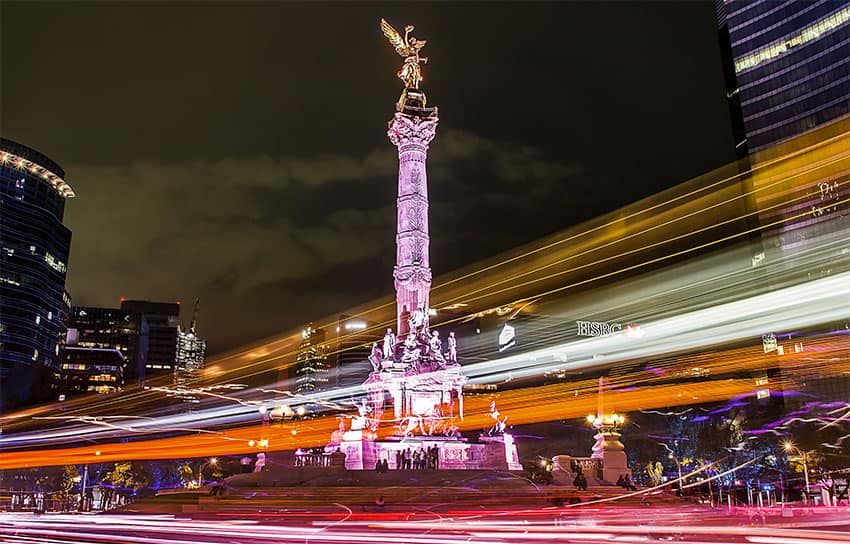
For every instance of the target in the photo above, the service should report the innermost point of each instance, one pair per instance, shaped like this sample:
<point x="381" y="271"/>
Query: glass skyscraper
<point x="34" y="248"/>
<point x="312" y="368"/>
<point x="787" y="67"/>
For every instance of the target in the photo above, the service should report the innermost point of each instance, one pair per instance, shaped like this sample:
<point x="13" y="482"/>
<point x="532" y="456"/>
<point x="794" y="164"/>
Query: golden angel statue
<point x="408" y="47"/>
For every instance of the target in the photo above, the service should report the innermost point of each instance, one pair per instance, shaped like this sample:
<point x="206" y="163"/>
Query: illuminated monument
<point x="412" y="367"/>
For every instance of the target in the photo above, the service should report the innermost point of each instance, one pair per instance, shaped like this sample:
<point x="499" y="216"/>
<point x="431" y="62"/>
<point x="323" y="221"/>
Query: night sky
<point x="238" y="151"/>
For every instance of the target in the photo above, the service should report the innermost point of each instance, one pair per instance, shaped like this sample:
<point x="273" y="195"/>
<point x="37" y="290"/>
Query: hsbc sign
<point x="602" y="329"/>
<point x="597" y="328"/>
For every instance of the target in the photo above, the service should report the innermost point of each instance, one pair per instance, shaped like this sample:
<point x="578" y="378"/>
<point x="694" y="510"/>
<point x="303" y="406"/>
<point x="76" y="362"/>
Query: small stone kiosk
<point x="412" y="369"/>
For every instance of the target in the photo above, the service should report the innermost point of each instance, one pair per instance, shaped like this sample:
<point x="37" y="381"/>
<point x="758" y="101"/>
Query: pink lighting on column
<point x="411" y="134"/>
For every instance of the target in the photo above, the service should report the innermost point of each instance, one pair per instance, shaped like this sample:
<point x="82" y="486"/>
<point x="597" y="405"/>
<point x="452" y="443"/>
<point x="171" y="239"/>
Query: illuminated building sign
<point x="355" y="326"/>
<point x="597" y="328"/>
<point x="768" y="342"/>
<point x="507" y="337"/>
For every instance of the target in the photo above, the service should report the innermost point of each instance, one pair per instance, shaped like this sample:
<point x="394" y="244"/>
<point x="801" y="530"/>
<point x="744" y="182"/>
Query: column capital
<point x="411" y="132"/>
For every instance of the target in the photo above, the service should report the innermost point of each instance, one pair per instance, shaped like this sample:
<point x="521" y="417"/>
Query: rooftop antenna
<point x="195" y="315"/>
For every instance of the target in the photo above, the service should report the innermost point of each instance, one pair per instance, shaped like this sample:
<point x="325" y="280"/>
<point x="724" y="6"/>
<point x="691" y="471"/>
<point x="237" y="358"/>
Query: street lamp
<point x="790" y="447"/>
<point x="679" y="467"/>
<point x="613" y="421"/>
<point x="211" y="461"/>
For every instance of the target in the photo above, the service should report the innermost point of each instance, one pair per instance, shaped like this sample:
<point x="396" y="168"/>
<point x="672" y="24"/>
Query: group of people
<point x="625" y="481"/>
<point x="418" y="459"/>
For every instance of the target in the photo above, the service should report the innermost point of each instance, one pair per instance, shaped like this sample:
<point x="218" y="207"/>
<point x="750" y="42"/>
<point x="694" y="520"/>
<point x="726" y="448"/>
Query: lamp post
<point x="608" y="450"/>
<point x="790" y="447"/>
<point x="679" y="467"/>
<point x="211" y="461"/>
<point x="83" y="488"/>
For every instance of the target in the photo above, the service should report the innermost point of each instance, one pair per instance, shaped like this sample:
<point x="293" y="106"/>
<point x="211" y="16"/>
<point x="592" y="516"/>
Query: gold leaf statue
<point x="410" y="73"/>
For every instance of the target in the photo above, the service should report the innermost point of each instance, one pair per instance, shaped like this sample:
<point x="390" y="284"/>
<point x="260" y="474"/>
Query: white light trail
<point x="710" y="301"/>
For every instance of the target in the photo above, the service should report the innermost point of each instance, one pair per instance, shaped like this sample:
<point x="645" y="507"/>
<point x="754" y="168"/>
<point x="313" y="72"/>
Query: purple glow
<point x="411" y="135"/>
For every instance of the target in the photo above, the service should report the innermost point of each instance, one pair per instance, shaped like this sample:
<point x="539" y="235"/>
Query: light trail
<point x="620" y="271"/>
<point x="791" y="308"/>
<point x="559" y="241"/>
<point x="579" y="354"/>
<point x="813" y="158"/>
<point x="587" y="525"/>
<point x="832" y="145"/>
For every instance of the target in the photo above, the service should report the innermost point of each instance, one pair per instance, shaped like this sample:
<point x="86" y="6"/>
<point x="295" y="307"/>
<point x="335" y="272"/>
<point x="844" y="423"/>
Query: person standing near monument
<point x="451" y="355"/>
<point x="389" y="344"/>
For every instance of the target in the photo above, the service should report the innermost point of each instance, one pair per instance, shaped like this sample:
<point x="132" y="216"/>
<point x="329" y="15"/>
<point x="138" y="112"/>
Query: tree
<point x="655" y="472"/>
<point x="129" y="475"/>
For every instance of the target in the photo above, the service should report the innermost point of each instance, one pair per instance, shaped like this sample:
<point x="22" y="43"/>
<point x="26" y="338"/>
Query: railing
<point x="312" y="460"/>
<point x="589" y="466"/>
<point x="37" y="501"/>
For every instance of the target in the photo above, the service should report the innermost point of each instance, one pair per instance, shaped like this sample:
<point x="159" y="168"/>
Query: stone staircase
<point x="403" y="491"/>
<point x="417" y="497"/>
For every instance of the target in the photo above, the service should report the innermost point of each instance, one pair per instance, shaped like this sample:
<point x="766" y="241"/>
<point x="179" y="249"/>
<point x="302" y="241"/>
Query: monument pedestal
<point x="611" y="453"/>
<point x="455" y="453"/>
<point x="500" y="453"/>
<point x="359" y="454"/>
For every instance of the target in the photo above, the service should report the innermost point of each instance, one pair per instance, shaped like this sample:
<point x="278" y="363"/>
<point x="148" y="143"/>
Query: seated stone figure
<point x="436" y="347"/>
<point x="376" y="357"/>
<point x="411" y="352"/>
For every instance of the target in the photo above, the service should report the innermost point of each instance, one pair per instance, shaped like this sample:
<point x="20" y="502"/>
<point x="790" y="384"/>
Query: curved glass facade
<point x="791" y="65"/>
<point x="34" y="248"/>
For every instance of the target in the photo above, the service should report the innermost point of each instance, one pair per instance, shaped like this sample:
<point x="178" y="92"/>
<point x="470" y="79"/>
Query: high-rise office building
<point x="157" y="339"/>
<point x="786" y="65"/>
<point x="144" y="332"/>
<point x="34" y="250"/>
<point x="191" y="348"/>
<point x="787" y="71"/>
<point x="105" y="328"/>
<point x="90" y="370"/>
<point x="311" y="371"/>
<point x="191" y="353"/>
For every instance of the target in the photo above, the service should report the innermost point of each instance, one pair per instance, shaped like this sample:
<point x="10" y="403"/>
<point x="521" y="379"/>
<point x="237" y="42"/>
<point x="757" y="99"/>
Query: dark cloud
<point x="235" y="228"/>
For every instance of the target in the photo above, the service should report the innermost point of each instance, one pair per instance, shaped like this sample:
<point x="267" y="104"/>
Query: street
<point x="425" y="526"/>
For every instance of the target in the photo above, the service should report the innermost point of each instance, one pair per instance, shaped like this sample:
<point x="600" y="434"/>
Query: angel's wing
<point x="395" y="38"/>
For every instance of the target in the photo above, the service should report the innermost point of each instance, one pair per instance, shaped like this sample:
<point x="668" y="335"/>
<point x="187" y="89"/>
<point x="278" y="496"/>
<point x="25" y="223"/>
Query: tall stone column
<point x="411" y="134"/>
